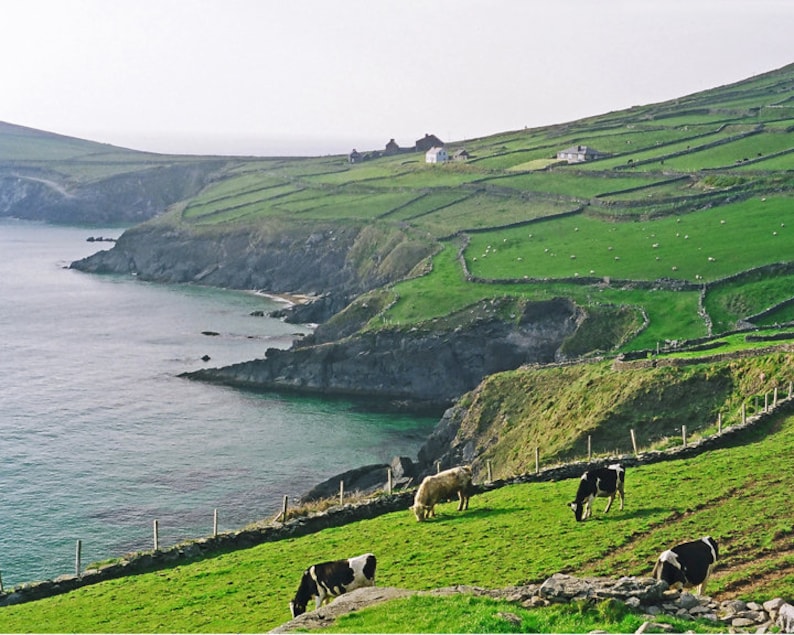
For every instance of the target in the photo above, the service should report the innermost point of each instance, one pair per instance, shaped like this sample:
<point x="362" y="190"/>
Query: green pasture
<point x="425" y="203"/>
<point x="782" y="161"/>
<point x="735" y="152"/>
<point x="659" y="152"/>
<point x="656" y="191"/>
<point x="701" y="246"/>
<point x="484" y="210"/>
<point x="425" y="175"/>
<point x="508" y="159"/>
<point x="733" y="494"/>
<point x="470" y="614"/>
<point x="563" y="182"/>
<point x="445" y="292"/>
<point x="730" y="302"/>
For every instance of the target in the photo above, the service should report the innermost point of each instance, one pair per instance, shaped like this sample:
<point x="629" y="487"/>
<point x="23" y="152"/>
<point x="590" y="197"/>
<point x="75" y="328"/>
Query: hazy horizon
<point x="316" y="77"/>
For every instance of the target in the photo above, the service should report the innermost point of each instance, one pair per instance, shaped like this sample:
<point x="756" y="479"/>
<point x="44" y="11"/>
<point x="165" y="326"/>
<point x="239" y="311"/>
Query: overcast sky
<point x="272" y="77"/>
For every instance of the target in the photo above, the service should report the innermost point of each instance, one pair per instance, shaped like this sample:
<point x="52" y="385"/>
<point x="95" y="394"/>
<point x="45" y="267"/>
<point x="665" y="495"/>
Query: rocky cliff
<point x="413" y="369"/>
<point x="335" y="261"/>
<point x="129" y="197"/>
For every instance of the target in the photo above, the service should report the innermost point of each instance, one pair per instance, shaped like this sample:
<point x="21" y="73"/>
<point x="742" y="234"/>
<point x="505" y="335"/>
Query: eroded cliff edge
<point x="411" y="369"/>
<point x="332" y="261"/>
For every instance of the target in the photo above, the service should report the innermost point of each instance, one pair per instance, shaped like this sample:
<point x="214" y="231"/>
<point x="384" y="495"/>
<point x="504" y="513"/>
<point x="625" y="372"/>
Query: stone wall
<point x="650" y="597"/>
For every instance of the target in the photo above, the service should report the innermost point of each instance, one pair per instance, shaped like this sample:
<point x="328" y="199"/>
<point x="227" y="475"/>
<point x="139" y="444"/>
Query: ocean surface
<point x="99" y="436"/>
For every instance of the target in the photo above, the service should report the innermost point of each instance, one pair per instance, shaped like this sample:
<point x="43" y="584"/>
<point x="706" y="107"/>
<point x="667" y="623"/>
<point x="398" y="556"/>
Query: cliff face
<point x="336" y="261"/>
<point x="415" y="369"/>
<point x="126" y="198"/>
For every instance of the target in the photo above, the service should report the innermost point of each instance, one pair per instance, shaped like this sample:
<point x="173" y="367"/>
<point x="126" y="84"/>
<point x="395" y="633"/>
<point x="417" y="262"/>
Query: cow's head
<point x="668" y="569"/>
<point x="297" y="608"/>
<point x="578" y="509"/>
<point x="420" y="511"/>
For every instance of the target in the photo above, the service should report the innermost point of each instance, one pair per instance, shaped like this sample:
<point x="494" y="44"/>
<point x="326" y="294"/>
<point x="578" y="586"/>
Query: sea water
<point x="99" y="436"/>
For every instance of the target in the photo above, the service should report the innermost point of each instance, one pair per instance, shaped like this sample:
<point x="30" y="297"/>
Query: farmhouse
<point x="428" y="141"/>
<point x="436" y="155"/>
<point x="392" y="148"/>
<point x="461" y="155"/>
<point x="579" y="154"/>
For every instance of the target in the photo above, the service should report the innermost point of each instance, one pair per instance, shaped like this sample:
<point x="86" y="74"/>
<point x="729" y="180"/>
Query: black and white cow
<point x="687" y="565"/>
<point x="329" y="579"/>
<point x="603" y="481"/>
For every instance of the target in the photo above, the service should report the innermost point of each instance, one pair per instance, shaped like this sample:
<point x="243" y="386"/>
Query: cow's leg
<point x="702" y="585"/>
<point x="609" y="502"/>
<point x="463" y="499"/>
<point x="588" y="507"/>
<point x="620" y="491"/>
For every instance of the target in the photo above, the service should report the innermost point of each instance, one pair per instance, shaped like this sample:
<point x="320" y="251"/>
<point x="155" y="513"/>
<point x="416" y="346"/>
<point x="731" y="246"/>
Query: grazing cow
<point x="438" y="487"/>
<point x="604" y="481"/>
<point x="330" y="579"/>
<point x="687" y="565"/>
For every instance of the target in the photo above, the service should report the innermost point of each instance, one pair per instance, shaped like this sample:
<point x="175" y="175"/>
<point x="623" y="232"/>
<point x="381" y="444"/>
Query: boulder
<point x="785" y="618"/>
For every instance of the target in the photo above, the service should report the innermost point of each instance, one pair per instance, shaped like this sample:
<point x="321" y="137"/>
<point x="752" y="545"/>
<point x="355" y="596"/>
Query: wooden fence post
<point x="341" y="492"/>
<point x="719" y="423"/>
<point x="284" y="509"/>
<point x="438" y="466"/>
<point x="156" y="531"/>
<point x="77" y="556"/>
<point x="537" y="460"/>
<point x="633" y="441"/>
<point x="215" y="522"/>
<point x="683" y="435"/>
<point x="774" y="399"/>
<point x="766" y="402"/>
<point x="490" y="471"/>
<point x="589" y="448"/>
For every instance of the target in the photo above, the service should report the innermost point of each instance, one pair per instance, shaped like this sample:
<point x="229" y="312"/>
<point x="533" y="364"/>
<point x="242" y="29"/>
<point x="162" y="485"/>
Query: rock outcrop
<point x="648" y="596"/>
<point x="334" y="262"/>
<point x="128" y="197"/>
<point x="414" y="369"/>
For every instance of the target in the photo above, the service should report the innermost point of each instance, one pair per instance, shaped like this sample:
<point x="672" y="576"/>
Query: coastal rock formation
<point x="129" y="197"/>
<point x="414" y="369"/>
<point x="333" y="262"/>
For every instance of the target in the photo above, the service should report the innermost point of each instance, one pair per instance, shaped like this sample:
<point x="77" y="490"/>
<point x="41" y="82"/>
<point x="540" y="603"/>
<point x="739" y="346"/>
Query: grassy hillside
<point x="515" y="534"/>
<point x="691" y="199"/>
<point x="556" y="409"/>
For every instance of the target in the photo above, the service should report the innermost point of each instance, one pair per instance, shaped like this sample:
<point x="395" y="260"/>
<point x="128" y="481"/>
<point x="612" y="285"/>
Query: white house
<point x="436" y="155"/>
<point x="578" y="154"/>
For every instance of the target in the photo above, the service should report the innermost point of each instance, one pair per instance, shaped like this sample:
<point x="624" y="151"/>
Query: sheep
<point x="438" y="487"/>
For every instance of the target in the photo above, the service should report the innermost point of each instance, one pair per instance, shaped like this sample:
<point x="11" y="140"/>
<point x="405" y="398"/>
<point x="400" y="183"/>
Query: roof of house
<point x="581" y="150"/>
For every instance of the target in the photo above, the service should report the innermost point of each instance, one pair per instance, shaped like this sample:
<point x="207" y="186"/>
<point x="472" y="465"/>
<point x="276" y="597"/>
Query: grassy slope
<point x="556" y="409"/>
<point x="516" y="534"/>
<point x="697" y="190"/>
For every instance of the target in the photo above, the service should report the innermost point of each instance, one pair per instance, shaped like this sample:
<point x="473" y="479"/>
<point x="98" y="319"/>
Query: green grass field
<point x="512" y="535"/>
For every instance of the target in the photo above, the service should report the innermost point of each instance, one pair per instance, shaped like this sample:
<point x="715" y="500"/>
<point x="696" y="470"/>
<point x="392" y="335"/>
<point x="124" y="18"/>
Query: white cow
<point x="441" y="486"/>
